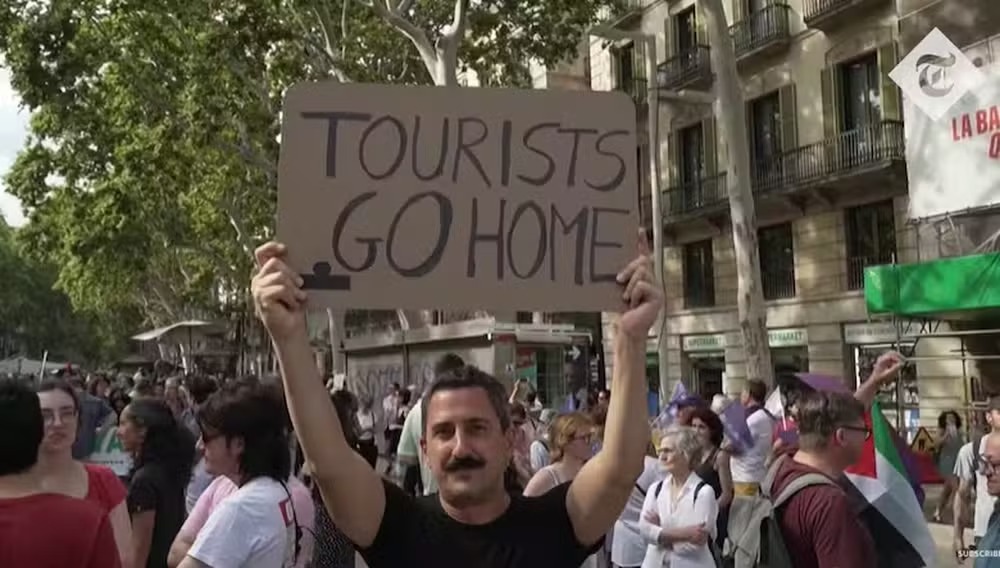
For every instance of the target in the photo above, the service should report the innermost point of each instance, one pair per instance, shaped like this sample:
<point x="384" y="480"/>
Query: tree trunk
<point x="731" y="110"/>
<point x="441" y="60"/>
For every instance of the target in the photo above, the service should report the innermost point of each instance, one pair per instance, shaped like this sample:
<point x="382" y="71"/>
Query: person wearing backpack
<point x="806" y="519"/>
<point x="679" y="513"/>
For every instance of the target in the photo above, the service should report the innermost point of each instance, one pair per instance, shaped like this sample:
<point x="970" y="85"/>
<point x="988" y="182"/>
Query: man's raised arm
<point x="601" y="489"/>
<point x="884" y="371"/>
<point x="351" y="489"/>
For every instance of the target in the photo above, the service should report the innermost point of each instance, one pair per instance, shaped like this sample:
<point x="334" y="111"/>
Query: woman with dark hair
<point x="713" y="467"/>
<point x="61" y="474"/>
<point x="950" y="439"/>
<point x="98" y="385"/>
<point x="163" y="455"/>
<point x="118" y="398"/>
<point x="333" y="549"/>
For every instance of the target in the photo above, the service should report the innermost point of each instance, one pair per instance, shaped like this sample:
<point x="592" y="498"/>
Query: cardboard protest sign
<point x="427" y="197"/>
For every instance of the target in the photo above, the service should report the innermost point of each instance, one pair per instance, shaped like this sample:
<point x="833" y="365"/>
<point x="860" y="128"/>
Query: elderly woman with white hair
<point x="679" y="513"/>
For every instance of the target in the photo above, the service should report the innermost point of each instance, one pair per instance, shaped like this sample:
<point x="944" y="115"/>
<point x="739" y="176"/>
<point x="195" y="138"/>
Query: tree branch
<point x="416" y="35"/>
<point x="404" y="7"/>
<point x="448" y="44"/>
<point x="343" y="28"/>
<point x="330" y="61"/>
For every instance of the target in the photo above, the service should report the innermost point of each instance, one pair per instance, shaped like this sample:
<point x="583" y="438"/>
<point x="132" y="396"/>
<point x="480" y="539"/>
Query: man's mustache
<point x="458" y="464"/>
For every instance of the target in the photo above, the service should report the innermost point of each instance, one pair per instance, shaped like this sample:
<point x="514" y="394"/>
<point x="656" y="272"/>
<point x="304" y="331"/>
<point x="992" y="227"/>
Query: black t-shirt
<point x="534" y="532"/>
<point x="153" y="489"/>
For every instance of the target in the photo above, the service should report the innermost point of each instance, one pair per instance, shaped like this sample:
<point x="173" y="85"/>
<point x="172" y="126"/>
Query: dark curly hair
<point x="710" y="419"/>
<point x="943" y="419"/>
<point x="167" y="443"/>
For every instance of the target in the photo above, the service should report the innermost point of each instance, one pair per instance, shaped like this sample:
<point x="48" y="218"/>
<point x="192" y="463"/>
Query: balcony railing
<point x="685" y="68"/>
<point x="760" y="29"/>
<point x="856" y="266"/>
<point x="637" y="88"/>
<point x="827" y="14"/>
<point x="778" y="284"/>
<point x="694" y="195"/>
<point x="626" y="11"/>
<point x="861" y="148"/>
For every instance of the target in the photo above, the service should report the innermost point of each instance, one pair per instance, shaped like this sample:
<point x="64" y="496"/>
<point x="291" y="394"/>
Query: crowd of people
<point x="285" y="473"/>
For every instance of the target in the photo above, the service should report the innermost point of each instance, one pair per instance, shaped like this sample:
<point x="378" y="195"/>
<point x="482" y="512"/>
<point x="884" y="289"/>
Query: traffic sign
<point x="923" y="442"/>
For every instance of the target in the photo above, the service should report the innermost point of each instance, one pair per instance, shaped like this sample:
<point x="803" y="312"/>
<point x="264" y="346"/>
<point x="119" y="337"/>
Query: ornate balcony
<point x="851" y="164"/>
<point x="690" y="69"/>
<point x="762" y="33"/>
<point x="627" y="13"/>
<point x="695" y="196"/>
<point x="831" y="161"/>
<point x="828" y="15"/>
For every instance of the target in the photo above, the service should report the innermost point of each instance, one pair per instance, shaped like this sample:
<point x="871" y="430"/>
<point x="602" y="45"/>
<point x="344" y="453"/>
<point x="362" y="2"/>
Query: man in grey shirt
<point x="94" y="413"/>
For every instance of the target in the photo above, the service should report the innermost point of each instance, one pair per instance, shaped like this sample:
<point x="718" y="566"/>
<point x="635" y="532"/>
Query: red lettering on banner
<point x="995" y="145"/>
<point x="986" y="121"/>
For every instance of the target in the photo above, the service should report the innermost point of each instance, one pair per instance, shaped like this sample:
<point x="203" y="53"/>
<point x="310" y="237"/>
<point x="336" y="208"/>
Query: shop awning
<point x="959" y="288"/>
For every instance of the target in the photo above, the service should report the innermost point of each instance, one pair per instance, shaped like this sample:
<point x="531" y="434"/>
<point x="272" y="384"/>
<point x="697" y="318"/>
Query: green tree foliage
<point x="34" y="317"/>
<point x="150" y="169"/>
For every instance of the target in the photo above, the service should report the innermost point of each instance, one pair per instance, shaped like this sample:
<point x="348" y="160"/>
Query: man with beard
<point x="468" y="442"/>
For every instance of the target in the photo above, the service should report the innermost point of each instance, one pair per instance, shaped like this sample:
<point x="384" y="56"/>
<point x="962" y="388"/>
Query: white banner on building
<point x="953" y="162"/>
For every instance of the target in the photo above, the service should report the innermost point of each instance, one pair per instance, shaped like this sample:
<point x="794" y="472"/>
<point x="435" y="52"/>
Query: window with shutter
<point x="871" y="239"/>
<point x="891" y="98"/>
<point x="765" y="142"/>
<point x="789" y="118"/>
<point x="777" y="261"/>
<point x="830" y="86"/>
<point x="699" y="275"/>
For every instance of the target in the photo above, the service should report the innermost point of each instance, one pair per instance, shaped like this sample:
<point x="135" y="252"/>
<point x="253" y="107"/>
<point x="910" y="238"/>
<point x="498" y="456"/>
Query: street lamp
<point x="653" y="128"/>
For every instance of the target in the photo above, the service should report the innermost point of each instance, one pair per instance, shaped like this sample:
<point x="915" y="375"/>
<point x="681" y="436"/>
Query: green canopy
<point x="965" y="287"/>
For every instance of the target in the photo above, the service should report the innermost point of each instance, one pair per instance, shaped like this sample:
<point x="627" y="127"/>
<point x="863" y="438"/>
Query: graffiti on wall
<point x="373" y="376"/>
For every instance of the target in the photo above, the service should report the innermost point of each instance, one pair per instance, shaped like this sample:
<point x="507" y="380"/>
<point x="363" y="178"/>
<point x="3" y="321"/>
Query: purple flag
<point x="734" y="422"/>
<point x="823" y="383"/>
<point x="669" y="412"/>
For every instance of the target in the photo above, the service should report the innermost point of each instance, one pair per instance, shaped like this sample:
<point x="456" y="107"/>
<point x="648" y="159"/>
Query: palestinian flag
<point x="887" y="501"/>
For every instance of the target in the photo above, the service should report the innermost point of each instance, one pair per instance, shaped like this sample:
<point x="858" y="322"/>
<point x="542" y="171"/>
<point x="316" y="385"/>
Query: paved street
<point x="942" y="532"/>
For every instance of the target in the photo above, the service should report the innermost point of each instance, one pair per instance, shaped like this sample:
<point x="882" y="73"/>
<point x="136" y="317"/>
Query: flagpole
<point x="41" y="370"/>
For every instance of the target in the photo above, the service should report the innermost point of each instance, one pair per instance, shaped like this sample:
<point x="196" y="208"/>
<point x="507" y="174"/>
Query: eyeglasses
<point x="865" y="429"/>
<point x="986" y="467"/>
<point x="64" y="414"/>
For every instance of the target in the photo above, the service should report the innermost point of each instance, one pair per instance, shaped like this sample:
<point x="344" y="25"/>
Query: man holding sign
<point x="468" y="440"/>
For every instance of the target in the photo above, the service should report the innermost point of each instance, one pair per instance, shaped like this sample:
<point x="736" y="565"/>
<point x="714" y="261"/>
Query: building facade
<point x="825" y="129"/>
